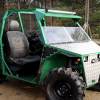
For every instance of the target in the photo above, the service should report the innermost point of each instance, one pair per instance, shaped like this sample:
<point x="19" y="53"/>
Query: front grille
<point x="92" y="69"/>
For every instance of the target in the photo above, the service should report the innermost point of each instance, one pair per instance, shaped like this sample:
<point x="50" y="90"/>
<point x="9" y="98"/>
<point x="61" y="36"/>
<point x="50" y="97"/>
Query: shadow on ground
<point x="17" y="90"/>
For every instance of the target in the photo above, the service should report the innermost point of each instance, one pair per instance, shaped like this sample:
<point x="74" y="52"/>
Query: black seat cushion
<point x="25" y="60"/>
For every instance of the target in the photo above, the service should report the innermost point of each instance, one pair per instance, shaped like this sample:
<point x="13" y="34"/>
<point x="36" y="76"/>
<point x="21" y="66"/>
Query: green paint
<point x="55" y="61"/>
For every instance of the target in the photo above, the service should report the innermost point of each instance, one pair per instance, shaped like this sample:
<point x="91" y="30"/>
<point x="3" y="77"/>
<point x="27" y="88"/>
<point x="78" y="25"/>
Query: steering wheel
<point x="33" y="36"/>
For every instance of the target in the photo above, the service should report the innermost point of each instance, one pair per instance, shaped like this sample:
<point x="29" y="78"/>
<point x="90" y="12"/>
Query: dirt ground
<point x="16" y="90"/>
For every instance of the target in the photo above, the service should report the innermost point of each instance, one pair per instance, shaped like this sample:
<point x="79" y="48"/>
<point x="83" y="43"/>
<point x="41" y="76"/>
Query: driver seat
<point x="19" y="46"/>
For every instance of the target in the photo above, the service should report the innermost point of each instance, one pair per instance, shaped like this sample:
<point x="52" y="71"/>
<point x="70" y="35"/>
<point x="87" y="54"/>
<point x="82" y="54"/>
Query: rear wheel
<point x="64" y="84"/>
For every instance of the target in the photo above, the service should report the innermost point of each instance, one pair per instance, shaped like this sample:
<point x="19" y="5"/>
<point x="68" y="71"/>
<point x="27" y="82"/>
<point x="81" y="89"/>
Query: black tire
<point x="64" y="84"/>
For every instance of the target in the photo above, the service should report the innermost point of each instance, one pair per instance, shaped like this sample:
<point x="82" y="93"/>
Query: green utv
<point x="59" y="56"/>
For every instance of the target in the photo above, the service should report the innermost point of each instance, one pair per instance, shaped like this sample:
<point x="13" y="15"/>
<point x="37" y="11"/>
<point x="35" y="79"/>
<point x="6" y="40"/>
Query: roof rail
<point x="63" y="12"/>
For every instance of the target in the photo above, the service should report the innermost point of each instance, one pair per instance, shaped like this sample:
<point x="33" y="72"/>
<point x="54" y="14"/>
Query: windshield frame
<point x="83" y="30"/>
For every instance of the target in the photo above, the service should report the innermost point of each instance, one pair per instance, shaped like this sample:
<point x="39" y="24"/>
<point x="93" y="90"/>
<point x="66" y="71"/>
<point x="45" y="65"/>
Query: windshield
<point x="56" y="34"/>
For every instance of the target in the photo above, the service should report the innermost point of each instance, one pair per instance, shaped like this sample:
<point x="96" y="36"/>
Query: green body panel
<point x="52" y="62"/>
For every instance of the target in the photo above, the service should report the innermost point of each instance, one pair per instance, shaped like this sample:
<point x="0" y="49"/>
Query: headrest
<point x="14" y="25"/>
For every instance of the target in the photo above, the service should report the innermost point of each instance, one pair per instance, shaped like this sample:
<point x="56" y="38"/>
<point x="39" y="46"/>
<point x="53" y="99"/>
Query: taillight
<point x="98" y="56"/>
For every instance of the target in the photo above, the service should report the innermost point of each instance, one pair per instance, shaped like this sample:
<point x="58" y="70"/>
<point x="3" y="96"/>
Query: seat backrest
<point x="18" y="43"/>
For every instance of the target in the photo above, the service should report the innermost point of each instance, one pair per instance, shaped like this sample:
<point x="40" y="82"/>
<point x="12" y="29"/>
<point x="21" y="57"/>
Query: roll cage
<point x="40" y="14"/>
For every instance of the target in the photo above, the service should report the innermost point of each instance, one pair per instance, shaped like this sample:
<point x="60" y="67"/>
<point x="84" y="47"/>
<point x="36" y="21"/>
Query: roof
<point x="59" y="13"/>
<point x="42" y="12"/>
<point x="62" y="15"/>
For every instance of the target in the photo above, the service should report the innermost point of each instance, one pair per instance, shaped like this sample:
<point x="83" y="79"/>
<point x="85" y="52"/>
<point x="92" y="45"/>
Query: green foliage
<point x="97" y="29"/>
<point x="98" y="1"/>
<point x="95" y="16"/>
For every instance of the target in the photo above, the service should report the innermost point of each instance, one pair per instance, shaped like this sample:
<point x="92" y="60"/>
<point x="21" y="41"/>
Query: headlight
<point x="98" y="57"/>
<point x="85" y="59"/>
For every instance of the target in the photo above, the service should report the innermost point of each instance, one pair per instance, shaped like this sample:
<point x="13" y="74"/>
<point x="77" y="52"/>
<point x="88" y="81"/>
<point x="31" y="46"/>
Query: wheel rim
<point x="63" y="90"/>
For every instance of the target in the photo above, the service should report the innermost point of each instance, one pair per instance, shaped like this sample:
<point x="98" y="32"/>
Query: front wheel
<point x="64" y="84"/>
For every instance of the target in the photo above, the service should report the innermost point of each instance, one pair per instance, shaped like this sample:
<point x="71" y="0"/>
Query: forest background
<point x="67" y="5"/>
